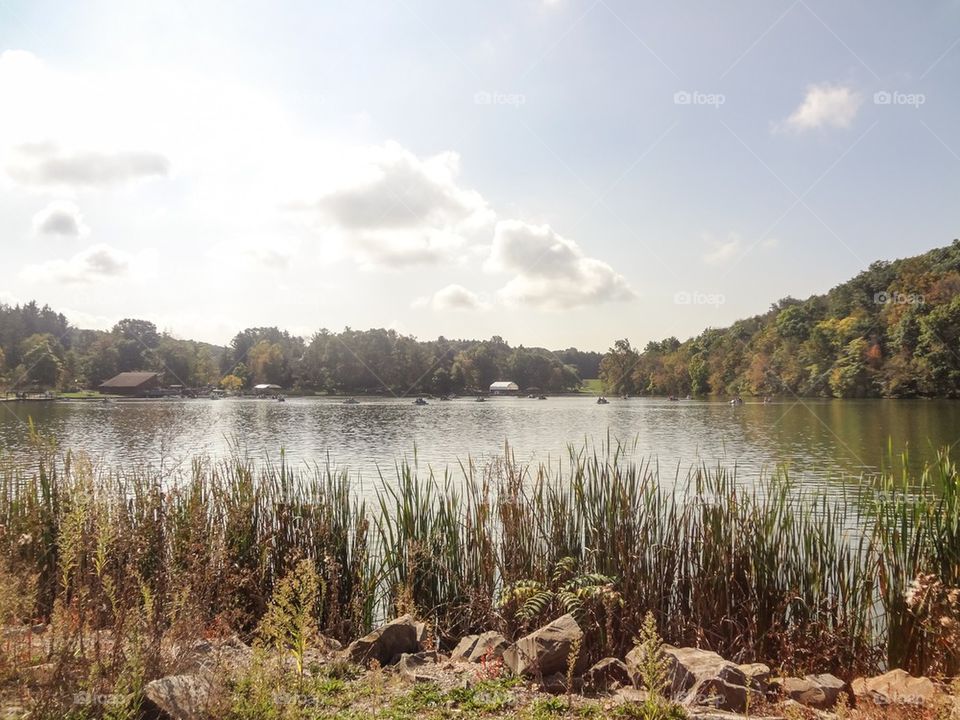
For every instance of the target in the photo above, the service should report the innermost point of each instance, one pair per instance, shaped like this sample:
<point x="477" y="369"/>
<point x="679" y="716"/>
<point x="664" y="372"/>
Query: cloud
<point x="60" y="219"/>
<point x="825" y="105"/>
<point x="453" y="297"/>
<point x="722" y="250"/>
<point x="93" y="264"/>
<point x="400" y="209"/>
<point x="550" y="271"/>
<point x="47" y="164"/>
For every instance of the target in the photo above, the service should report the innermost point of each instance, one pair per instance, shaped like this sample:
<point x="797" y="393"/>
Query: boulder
<point x="608" y="674"/>
<point x="700" y="677"/>
<point x="490" y="645"/>
<point x="816" y="691"/>
<point x="464" y="648"/>
<point x="385" y="644"/>
<point x="758" y="676"/>
<point x="897" y="687"/>
<point x="546" y="651"/>
<point x="423" y="634"/>
<point x="177" y="697"/>
<point x="416" y="667"/>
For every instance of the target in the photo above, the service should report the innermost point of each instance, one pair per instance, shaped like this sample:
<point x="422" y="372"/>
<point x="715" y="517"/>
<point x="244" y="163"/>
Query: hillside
<point x="891" y="331"/>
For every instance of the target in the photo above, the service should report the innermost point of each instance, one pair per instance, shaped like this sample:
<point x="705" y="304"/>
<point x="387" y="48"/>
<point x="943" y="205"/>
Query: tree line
<point x="40" y="350"/>
<point x="891" y="331"/>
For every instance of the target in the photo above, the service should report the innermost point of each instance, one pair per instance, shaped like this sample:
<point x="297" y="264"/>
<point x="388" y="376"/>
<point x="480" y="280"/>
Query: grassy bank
<point x="766" y="572"/>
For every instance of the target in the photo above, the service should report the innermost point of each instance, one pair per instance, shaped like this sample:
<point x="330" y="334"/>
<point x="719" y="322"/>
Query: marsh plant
<point x="119" y="561"/>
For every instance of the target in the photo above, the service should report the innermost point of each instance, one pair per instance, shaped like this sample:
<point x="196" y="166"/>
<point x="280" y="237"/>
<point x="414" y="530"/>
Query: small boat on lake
<point x="541" y="397"/>
<point x="351" y="401"/>
<point x="420" y="401"/>
<point x="481" y="398"/>
<point x="737" y="401"/>
<point x="602" y="401"/>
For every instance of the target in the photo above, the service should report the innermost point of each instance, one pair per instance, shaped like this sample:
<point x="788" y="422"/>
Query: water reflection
<point x="821" y="441"/>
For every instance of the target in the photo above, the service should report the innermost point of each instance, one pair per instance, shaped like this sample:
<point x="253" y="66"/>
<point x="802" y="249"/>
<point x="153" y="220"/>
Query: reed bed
<point x="766" y="571"/>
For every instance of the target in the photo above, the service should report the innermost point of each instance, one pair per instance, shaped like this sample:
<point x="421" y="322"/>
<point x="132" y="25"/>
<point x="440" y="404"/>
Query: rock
<point x="490" y="645"/>
<point x="476" y="648"/>
<point x="701" y="677"/>
<point x="415" y="667"/>
<point x="896" y="687"/>
<point x="817" y="691"/>
<point x="423" y="634"/>
<point x="758" y="676"/>
<point x="545" y="651"/>
<point x="464" y="648"/>
<point x="177" y="697"/>
<point x="608" y="674"/>
<point x="385" y="644"/>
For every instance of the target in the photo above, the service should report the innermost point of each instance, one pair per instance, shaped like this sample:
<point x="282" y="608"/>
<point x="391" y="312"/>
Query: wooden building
<point x="134" y="384"/>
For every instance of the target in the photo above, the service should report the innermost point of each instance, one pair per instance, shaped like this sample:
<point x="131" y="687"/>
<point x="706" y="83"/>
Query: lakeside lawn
<point x="592" y="386"/>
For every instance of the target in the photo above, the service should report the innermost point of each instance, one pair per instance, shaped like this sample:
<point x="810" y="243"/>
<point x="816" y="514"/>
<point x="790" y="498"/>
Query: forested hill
<point x="40" y="350"/>
<point x="892" y="331"/>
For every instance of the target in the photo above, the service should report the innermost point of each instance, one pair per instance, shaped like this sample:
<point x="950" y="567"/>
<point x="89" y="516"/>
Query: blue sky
<point x="559" y="173"/>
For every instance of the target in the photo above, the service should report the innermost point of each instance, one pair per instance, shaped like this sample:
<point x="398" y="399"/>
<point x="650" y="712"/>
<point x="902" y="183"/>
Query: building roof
<point x="129" y="380"/>
<point x="504" y="385"/>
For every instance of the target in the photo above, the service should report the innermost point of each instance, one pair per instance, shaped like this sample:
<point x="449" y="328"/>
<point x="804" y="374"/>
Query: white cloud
<point x="60" y="219"/>
<point x="46" y="164"/>
<point x="825" y="105"/>
<point x="399" y="209"/>
<point x="722" y="250"/>
<point x="550" y="271"/>
<point x="453" y="297"/>
<point x="93" y="264"/>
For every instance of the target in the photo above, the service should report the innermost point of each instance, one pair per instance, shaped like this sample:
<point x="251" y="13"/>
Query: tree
<point x="231" y="383"/>
<point x="617" y="366"/>
<point x="42" y="361"/>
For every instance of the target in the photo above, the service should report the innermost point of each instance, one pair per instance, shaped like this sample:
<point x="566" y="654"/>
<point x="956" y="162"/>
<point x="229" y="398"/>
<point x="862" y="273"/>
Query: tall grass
<point x="768" y="571"/>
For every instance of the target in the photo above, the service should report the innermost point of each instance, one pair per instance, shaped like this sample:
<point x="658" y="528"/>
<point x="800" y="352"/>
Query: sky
<point x="556" y="172"/>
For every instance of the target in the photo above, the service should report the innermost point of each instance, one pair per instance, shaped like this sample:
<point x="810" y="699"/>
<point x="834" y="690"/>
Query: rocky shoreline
<point x="542" y="669"/>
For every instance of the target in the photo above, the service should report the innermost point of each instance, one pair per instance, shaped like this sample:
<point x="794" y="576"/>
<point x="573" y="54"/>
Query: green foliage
<point x="289" y="623"/>
<point x="39" y="349"/>
<point x="651" y="663"/>
<point x="892" y="331"/>
<point x="566" y="592"/>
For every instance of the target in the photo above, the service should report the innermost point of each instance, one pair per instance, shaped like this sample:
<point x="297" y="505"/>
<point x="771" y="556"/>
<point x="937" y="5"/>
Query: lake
<point x="822" y="441"/>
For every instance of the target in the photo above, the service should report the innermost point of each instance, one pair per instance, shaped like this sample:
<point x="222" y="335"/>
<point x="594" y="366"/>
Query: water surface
<point x="820" y="441"/>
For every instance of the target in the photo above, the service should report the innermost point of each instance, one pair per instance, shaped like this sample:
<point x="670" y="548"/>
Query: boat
<point x="351" y="401"/>
<point x="446" y="397"/>
<point x="602" y="401"/>
<point x="420" y="401"/>
<point x="481" y="398"/>
<point x="541" y="397"/>
<point x="673" y="398"/>
<point x="737" y="401"/>
<point x="217" y="394"/>
<point x="281" y="398"/>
